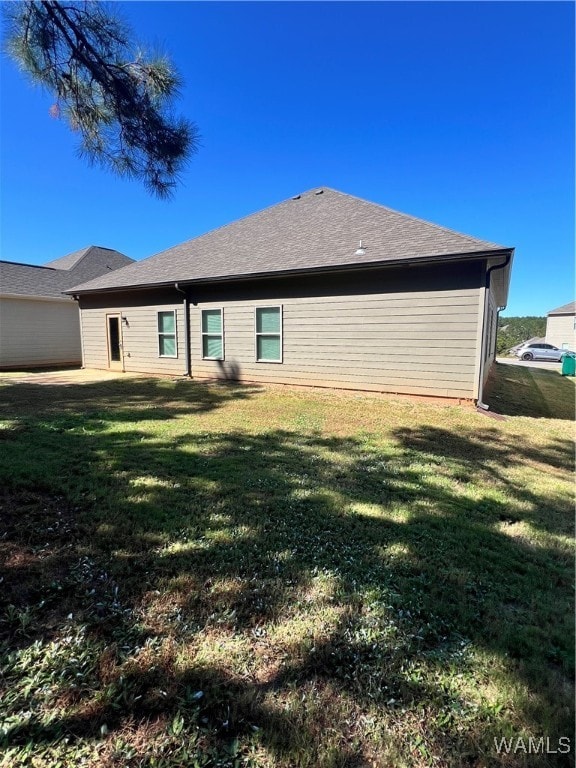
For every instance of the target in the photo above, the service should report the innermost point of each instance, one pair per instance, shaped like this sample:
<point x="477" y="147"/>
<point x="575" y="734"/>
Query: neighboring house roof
<point x="95" y="261"/>
<point x="51" y="280"/>
<point x="567" y="309"/>
<point x="319" y="229"/>
<point x="69" y="261"/>
<point x="29" y="280"/>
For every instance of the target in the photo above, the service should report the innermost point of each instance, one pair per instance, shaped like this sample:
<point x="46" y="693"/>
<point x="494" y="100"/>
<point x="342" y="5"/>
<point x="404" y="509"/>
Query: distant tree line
<point x="515" y="330"/>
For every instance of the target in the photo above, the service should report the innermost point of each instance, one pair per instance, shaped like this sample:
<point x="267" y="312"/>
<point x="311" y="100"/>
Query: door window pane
<point x="114" y="338"/>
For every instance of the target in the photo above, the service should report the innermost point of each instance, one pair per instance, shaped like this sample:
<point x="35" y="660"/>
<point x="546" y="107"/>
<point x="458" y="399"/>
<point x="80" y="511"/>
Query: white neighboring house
<point x="561" y="327"/>
<point x="39" y="324"/>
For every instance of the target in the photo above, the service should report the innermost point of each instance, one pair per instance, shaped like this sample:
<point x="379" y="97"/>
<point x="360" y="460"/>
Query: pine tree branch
<point x="118" y="103"/>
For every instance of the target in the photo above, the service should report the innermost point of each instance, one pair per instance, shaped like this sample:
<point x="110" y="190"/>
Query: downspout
<point x="77" y="300"/>
<point x="186" y="308"/>
<point x="489" y="271"/>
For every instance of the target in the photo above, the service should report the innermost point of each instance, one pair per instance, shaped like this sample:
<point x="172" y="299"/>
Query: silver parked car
<point x="541" y="351"/>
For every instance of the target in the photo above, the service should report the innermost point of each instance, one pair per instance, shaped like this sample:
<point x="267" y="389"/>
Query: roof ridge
<point x="237" y="221"/>
<point x="415" y="218"/>
<point x="67" y="256"/>
<point x="89" y="248"/>
<point x="85" y="252"/>
<point x="316" y="190"/>
<point x="34" y="266"/>
<point x="300" y="234"/>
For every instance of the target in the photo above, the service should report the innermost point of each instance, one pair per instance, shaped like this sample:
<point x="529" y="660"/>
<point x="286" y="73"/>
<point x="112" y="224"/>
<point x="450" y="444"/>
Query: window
<point x="167" y="346"/>
<point x="269" y="334"/>
<point x="212" y="334"/>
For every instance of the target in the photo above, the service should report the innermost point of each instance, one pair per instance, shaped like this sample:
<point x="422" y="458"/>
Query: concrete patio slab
<point x="529" y="363"/>
<point x="60" y="377"/>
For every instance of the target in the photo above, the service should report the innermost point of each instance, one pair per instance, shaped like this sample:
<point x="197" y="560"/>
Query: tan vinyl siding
<point x="139" y="338"/>
<point x="94" y="338"/>
<point x="36" y="333"/>
<point x="561" y="331"/>
<point x="499" y="280"/>
<point x="389" y="330"/>
<point x="488" y="330"/>
<point x="411" y="342"/>
<point x="490" y="335"/>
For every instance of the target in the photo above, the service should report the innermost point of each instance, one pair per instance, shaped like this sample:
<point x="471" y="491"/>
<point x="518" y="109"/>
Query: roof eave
<point x="34" y="297"/>
<point x="408" y="261"/>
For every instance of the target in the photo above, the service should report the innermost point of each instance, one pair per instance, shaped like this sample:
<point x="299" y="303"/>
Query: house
<point x="39" y="323"/>
<point x="561" y="327"/>
<point x="322" y="289"/>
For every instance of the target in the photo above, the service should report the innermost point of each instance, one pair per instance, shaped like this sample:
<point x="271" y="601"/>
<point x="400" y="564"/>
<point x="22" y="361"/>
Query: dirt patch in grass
<point x="34" y="551"/>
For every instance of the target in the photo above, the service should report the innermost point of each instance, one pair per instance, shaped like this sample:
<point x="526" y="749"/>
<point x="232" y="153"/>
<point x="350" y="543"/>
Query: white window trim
<point x="281" y="334"/>
<point x="202" y="333"/>
<point x="168" y="335"/>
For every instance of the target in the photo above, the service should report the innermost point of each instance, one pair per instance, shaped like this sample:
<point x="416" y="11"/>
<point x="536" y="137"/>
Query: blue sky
<point x="461" y="113"/>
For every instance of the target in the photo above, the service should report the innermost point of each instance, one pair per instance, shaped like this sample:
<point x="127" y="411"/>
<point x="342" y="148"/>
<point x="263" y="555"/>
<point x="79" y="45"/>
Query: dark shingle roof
<point x="51" y="281"/>
<point x="90" y="262"/>
<point x="567" y="309"/>
<point x="67" y="262"/>
<point x="96" y="261"/>
<point x="315" y="230"/>
<point x="28" y="280"/>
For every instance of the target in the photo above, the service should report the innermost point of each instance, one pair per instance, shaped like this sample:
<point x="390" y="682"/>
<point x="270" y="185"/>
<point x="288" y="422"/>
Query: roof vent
<point x="296" y="197"/>
<point x="360" y="251"/>
<point x="319" y="192"/>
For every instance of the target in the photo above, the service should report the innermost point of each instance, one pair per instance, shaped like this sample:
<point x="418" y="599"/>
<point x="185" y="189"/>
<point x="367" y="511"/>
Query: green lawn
<point x="530" y="391"/>
<point x="243" y="576"/>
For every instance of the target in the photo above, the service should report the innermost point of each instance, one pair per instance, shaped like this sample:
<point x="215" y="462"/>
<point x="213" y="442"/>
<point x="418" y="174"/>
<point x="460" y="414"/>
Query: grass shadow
<point x="515" y="390"/>
<point x="286" y="597"/>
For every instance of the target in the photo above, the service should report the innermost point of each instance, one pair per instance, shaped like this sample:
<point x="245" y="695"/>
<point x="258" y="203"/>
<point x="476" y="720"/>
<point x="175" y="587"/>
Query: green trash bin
<point x="569" y="364"/>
